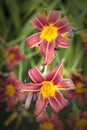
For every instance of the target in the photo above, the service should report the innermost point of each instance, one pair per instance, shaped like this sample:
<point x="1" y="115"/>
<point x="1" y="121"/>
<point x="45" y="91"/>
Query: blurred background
<point x="15" y="27"/>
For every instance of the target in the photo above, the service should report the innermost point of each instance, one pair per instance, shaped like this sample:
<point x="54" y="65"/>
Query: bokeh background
<point x="15" y="27"/>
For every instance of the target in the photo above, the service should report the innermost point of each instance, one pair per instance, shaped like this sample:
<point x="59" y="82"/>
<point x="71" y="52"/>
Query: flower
<point x="50" y="123"/>
<point x="79" y="122"/>
<point x="53" y="30"/>
<point x="10" y="90"/>
<point x="13" y="56"/>
<point x="80" y="82"/>
<point x="48" y="88"/>
<point x="84" y="45"/>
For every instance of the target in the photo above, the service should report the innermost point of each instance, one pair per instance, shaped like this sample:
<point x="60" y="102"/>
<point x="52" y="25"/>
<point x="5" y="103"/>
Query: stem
<point x="21" y="65"/>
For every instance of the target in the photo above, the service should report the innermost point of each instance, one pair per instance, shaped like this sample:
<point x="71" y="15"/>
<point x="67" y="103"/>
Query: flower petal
<point x="2" y="96"/>
<point x="39" y="21"/>
<point x="35" y="75"/>
<point x="47" y="49"/>
<point x="28" y="100"/>
<point x="78" y="78"/>
<point x="71" y="94"/>
<point x="41" y="105"/>
<point x="31" y="87"/>
<point x="56" y="74"/>
<point x="83" y="97"/>
<point x="58" y="102"/>
<point x="33" y="40"/>
<point x="64" y="29"/>
<point x="53" y="16"/>
<point x="66" y="84"/>
<point x="62" y="42"/>
<point x="63" y="23"/>
<point x="11" y="103"/>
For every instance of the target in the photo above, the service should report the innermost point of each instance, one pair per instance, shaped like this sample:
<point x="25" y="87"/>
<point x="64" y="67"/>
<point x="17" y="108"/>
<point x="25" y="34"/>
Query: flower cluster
<point x="51" y="88"/>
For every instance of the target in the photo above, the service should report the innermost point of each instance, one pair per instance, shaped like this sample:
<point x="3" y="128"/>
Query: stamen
<point x="49" y="33"/>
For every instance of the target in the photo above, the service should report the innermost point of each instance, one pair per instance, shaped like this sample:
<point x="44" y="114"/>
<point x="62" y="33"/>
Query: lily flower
<point x="48" y="88"/>
<point x="13" y="56"/>
<point x="53" y="31"/>
<point x="50" y="123"/>
<point x="10" y="90"/>
<point x="80" y="90"/>
<point x="84" y="45"/>
<point x="80" y="122"/>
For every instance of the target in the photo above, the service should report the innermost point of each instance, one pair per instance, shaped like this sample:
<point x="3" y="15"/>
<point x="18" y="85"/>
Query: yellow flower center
<point x="49" y="33"/>
<point x="47" y="126"/>
<point x="10" y="90"/>
<point x="48" y="89"/>
<point x="12" y="56"/>
<point x="79" y="88"/>
<point x="81" y="122"/>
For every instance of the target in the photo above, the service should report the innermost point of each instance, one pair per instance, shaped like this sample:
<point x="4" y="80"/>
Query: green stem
<point x="21" y="64"/>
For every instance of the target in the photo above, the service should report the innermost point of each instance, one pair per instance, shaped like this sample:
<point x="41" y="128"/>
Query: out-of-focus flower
<point x="50" y="123"/>
<point x="83" y="35"/>
<point x="48" y="88"/>
<point x="84" y="45"/>
<point x="10" y="90"/>
<point x="80" y="90"/>
<point x="53" y="31"/>
<point x="79" y="122"/>
<point x="13" y="56"/>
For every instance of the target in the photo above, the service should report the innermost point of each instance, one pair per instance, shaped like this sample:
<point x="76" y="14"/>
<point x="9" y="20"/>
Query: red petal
<point x="33" y="40"/>
<point x="2" y="96"/>
<point x="58" y="102"/>
<point x="84" y="44"/>
<point x="53" y="16"/>
<point x="39" y="21"/>
<point x="41" y="105"/>
<point x="62" y="23"/>
<point x="83" y="97"/>
<point x="56" y="75"/>
<point x="31" y="87"/>
<point x="11" y="103"/>
<point x="62" y="42"/>
<point x="66" y="84"/>
<point x="35" y="75"/>
<point x="47" y="49"/>
<point x="70" y="94"/>
<point x="64" y="29"/>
